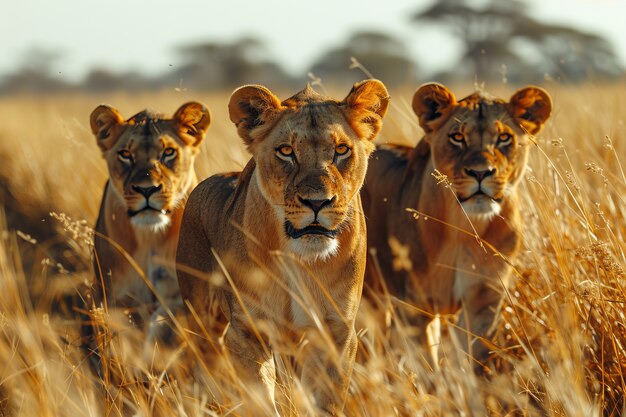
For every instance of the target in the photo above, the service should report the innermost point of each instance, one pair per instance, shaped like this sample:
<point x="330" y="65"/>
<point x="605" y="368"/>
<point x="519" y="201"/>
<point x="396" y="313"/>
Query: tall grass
<point x="559" y="349"/>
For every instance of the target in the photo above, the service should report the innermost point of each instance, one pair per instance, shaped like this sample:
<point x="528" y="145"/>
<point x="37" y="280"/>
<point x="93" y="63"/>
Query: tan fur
<point x="427" y="261"/>
<point x="137" y="152"/>
<point x="281" y="288"/>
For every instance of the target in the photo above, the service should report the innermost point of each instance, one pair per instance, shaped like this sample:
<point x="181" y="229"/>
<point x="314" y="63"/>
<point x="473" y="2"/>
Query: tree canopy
<point x="380" y="54"/>
<point x="497" y="34"/>
<point x="499" y="39"/>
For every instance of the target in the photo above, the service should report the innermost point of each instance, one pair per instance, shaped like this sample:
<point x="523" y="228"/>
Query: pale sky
<point x="143" y="34"/>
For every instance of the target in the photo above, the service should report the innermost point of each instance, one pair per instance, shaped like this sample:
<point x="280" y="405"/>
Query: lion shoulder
<point x="391" y="163"/>
<point x="212" y="195"/>
<point x="401" y="152"/>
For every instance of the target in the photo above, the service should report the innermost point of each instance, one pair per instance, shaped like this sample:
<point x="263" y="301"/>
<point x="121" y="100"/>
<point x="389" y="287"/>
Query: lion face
<point x="480" y="143"/>
<point x="311" y="156"/>
<point x="150" y="159"/>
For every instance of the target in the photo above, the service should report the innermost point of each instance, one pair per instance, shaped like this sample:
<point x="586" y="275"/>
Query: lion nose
<point x="480" y="175"/>
<point x="316" y="205"/>
<point x="147" y="191"/>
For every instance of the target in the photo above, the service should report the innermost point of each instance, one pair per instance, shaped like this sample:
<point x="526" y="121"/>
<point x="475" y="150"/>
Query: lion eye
<point x="456" y="138"/>
<point x="169" y="153"/>
<point x="504" y="139"/>
<point x="124" y="155"/>
<point x="342" y="150"/>
<point x="285" y="152"/>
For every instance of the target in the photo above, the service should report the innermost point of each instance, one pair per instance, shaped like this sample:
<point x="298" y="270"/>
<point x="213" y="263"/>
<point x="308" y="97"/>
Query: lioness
<point x="424" y="205"/>
<point x="150" y="163"/>
<point x="286" y="236"/>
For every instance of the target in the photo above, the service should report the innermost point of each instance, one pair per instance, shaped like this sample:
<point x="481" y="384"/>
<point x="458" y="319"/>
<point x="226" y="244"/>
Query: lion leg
<point x="254" y="365"/>
<point x="477" y="320"/>
<point x="161" y="332"/>
<point x="161" y="327"/>
<point x="326" y="370"/>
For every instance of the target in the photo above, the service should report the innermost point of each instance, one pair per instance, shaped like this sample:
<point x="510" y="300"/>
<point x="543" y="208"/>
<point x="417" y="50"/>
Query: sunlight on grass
<point x="559" y="349"/>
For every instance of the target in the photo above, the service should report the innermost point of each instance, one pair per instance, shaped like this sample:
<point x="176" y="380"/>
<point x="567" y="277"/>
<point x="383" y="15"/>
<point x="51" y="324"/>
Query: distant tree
<point x="36" y="74"/>
<point x="214" y="65"/>
<point x="489" y="31"/>
<point x="483" y="32"/>
<point x="100" y="79"/>
<point x="382" y="55"/>
<point x="570" y="54"/>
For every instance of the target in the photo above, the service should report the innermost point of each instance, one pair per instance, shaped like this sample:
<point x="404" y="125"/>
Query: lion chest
<point x="288" y="300"/>
<point x="453" y="267"/>
<point x="153" y="266"/>
<point x="308" y="301"/>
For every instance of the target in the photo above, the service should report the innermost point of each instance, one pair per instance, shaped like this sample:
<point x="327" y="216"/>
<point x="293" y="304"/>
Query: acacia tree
<point x="491" y="32"/>
<point x="382" y="55"/>
<point x="213" y="65"/>
<point x="36" y="74"/>
<point x="570" y="54"/>
<point x="482" y="31"/>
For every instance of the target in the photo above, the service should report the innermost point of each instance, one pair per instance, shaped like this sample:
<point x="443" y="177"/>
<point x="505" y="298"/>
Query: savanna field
<point x="559" y="348"/>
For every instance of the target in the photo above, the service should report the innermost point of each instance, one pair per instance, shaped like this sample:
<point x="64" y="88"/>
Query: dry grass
<point x="560" y="348"/>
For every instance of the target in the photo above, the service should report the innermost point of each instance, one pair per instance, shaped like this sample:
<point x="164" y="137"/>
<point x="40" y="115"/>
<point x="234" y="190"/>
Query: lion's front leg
<point x="478" y="318"/>
<point x="326" y="369"/>
<point x="254" y="366"/>
<point x="161" y="328"/>
<point x="160" y="325"/>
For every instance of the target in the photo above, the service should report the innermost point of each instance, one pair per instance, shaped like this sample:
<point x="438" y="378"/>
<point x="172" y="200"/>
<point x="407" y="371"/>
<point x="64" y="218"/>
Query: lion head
<point x="150" y="158"/>
<point x="311" y="156"/>
<point x="480" y="142"/>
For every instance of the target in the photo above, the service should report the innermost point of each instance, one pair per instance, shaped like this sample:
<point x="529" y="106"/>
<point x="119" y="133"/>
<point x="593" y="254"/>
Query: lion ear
<point x="103" y="120"/>
<point x="365" y="106"/>
<point x="252" y="109"/>
<point x="531" y="106"/>
<point x="432" y="103"/>
<point x="195" y="118"/>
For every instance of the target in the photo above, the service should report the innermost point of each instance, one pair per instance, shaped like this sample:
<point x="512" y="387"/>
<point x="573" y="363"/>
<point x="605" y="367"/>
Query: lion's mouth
<point x="312" y="229"/>
<point x="133" y="213"/>
<point x="479" y="193"/>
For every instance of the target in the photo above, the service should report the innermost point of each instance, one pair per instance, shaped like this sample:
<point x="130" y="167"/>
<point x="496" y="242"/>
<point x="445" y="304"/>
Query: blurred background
<point x="71" y="45"/>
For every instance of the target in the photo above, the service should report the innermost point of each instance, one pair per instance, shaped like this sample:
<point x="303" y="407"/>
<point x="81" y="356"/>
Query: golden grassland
<point x="559" y="349"/>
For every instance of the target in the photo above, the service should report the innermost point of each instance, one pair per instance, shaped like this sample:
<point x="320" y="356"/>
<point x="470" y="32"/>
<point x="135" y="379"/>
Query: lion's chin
<point x="481" y="206"/>
<point x="150" y="220"/>
<point x="313" y="248"/>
